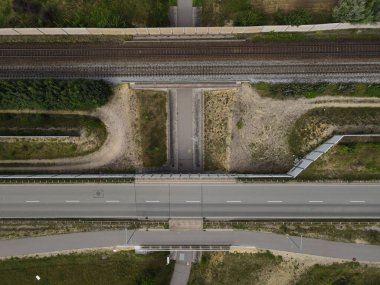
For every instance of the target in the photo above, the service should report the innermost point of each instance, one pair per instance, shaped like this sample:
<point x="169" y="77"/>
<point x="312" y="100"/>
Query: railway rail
<point x="185" y="69"/>
<point x="141" y="51"/>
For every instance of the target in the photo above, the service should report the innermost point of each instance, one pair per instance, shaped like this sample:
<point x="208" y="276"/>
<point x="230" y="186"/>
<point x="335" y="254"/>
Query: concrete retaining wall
<point x="183" y="31"/>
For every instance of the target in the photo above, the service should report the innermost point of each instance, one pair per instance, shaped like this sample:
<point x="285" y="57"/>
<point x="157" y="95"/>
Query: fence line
<point x="187" y="31"/>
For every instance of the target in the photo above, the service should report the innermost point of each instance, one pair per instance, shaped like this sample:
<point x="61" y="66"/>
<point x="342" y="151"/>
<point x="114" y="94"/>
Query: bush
<point x="295" y="18"/>
<point x="249" y="18"/>
<point x="53" y="94"/>
<point x="355" y="11"/>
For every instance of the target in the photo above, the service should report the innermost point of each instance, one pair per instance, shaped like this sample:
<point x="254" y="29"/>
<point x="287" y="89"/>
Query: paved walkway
<point x="185" y="13"/>
<point x="259" y="240"/>
<point x="182" y="267"/>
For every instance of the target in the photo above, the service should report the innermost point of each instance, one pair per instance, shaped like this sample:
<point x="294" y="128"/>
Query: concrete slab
<point x="52" y="31"/>
<point x="185" y="13"/>
<point x="344" y="26"/>
<point x="202" y="30"/>
<point x="166" y="31"/>
<point x="154" y="31"/>
<point x="142" y="31"/>
<point x="304" y="163"/>
<point x="366" y="26"/>
<point x="324" y="148"/>
<point x="313" y="155"/>
<point x="335" y="139"/>
<point x="253" y="29"/>
<point x="302" y="28"/>
<point x="214" y="30"/>
<point x="274" y="29"/>
<point x="324" y="27"/>
<point x="28" y="31"/>
<point x="178" y="31"/>
<point x="8" y="32"/>
<point x="111" y="31"/>
<point x="239" y="30"/>
<point x="227" y="30"/>
<point x="295" y="171"/>
<point x="76" y="31"/>
<point x="190" y="31"/>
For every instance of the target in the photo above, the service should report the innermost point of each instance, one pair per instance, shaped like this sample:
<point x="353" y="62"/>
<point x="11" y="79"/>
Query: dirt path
<point x="261" y="144"/>
<point x="118" y="153"/>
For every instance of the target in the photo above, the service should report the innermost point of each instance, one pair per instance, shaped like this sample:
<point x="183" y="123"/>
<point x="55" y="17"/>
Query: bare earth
<point x="261" y="144"/>
<point x="120" y="150"/>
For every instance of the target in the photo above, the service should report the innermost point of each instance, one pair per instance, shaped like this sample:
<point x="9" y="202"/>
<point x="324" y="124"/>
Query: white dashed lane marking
<point x="357" y="201"/>
<point x="35" y="201"/>
<point x="152" y="201"/>
<point x="72" y="201"/>
<point x="315" y="201"/>
<point x="274" y="201"/>
<point x="233" y="201"/>
<point x="113" y="201"/>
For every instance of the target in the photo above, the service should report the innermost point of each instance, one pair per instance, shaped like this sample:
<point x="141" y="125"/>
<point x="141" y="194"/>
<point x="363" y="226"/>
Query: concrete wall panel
<point x="28" y="31"/>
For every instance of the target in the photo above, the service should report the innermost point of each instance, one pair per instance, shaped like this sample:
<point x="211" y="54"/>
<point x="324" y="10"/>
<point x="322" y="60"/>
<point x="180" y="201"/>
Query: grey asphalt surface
<point x="310" y="246"/>
<point x="290" y="200"/>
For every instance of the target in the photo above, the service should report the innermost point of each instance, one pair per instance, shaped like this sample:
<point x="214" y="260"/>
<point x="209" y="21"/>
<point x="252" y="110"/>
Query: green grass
<point x="152" y="126"/>
<point x="351" y="34"/>
<point x="232" y="268"/>
<point x="88" y="269"/>
<point x="311" y="129"/>
<point x="308" y="90"/>
<point x="89" y="13"/>
<point x="35" y="149"/>
<point x="349" y="273"/>
<point x="347" y="162"/>
<point x="48" y="94"/>
<point x="342" y="231"/>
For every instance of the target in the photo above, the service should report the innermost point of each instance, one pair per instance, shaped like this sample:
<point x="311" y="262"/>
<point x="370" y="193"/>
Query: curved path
<point x="259" y="240"/>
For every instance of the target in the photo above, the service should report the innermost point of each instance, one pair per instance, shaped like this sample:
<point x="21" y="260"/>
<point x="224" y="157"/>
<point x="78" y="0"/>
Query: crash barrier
<point x="187" y="31"/>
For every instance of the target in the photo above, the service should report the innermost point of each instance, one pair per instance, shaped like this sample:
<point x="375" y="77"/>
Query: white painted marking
<point x="357" y="201"/>
<point x="315" y="201"/>
<point x="32" y="201"/>
<point x="193" y="201"/>
<point x="151" y="201"/>
<point x="233" y="201"/>
<point x="72" y="201"/>
<point x="113" y="201"/>
<point x="274" y="201"/>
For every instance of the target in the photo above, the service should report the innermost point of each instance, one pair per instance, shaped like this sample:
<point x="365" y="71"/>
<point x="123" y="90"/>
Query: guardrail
<point x="187" y="31"/>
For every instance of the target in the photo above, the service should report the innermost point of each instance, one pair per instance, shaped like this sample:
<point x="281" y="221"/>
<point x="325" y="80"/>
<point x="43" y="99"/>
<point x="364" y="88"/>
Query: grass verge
<point x="48" y="94"/>
<point x="350" y="273"/>
<point x="88" y="268"/>
<point x="315" y="126"/>
<point x="95" y="130"/>
<point x="232" y="268"/>
<point x="306" y="90"/>
<point x="347" y="162"/>
<point x="152" y="126"/>
<point x="25" y="228"/>
<point x="217" y="128"/>
<point x="343" y="231"/>
<point x="337" y="35"/>
<point x="118" y="39"/>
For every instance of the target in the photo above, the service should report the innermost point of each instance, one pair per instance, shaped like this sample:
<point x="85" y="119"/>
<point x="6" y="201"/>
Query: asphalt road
<point x="290" y="200"/>
<point x="361" y="252"/>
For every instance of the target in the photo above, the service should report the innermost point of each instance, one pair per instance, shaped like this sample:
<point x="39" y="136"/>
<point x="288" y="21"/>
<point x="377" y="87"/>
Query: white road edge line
<point x="193" y="201"/>
<point x="72" y="201"/>
<point x="357" y="201"/>
<point x="233" y="201"/>
<point x="32" y="201"/>
<point x="156" y="201"/>
<point x="274" y="201"/>
<point x="113" y="201"/>
<point x="315" y="201"/>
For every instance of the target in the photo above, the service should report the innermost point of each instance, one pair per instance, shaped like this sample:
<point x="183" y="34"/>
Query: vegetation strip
<point x="152" y="126"/>
<point x="95" y="130"/>
<point x="99" y="267"/>
<point x="48" y="94"/>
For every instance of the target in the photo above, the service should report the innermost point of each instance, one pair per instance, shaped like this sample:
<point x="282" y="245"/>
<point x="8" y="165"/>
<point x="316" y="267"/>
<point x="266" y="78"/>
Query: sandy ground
<point x="120" y="150"/>
<point x="261" y="144"/>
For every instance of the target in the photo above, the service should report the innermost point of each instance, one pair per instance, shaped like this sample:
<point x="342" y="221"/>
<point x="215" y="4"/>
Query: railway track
<point x="164" y="70"/>
<point x="181" y="50"/>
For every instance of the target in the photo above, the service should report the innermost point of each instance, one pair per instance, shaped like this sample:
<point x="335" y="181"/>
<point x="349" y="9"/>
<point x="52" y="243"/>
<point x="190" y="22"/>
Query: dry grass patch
<point x="152" y="119"/>
<point x="218" y="107"/>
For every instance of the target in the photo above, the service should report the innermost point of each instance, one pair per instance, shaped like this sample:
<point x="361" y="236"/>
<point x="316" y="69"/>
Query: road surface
<point x="290" y="200"/>
<point x="259" y="240"/>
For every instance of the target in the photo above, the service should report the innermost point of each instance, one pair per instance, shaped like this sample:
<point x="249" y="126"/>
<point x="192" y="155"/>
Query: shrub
<point x="295" y="18"/>
<point x="354" y="11"/>
<point x="249" y="18"/>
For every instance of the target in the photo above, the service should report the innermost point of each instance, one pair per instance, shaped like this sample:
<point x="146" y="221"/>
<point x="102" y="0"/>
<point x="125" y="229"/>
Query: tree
<point x="354" y="11"/>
